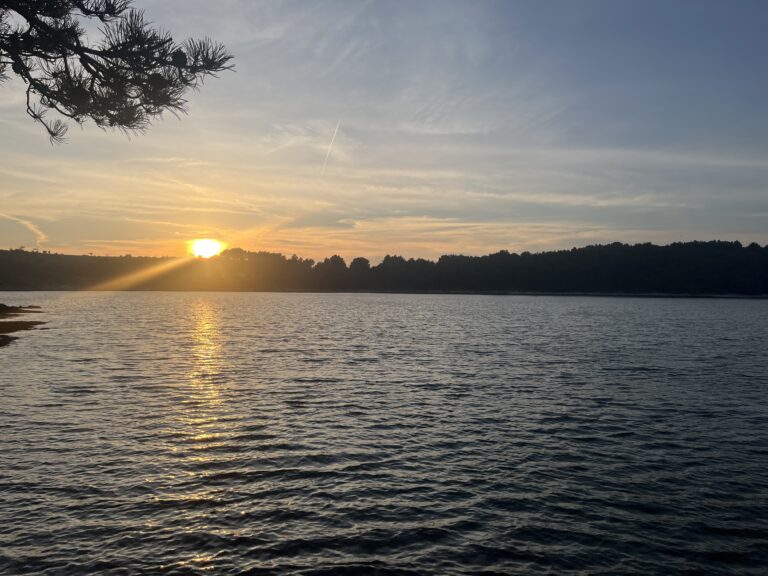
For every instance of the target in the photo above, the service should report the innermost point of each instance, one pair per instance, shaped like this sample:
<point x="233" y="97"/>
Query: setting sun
<point x="206" y="248"/>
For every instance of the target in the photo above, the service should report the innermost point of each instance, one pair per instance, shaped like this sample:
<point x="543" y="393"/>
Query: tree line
<point x="714" y="267"/>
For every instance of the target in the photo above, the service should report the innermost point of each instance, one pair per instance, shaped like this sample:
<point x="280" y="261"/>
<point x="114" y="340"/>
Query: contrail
<point x="40" y="236"/>
<point x="330" y="147"/>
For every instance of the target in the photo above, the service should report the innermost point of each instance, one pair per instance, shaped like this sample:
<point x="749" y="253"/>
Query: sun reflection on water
<point x="202" y="428"/>
<point x="207" y="346"/>
<point x="203" y="411"/>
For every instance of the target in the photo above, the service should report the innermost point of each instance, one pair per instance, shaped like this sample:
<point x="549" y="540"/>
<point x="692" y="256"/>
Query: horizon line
<point x="391" y="255"/>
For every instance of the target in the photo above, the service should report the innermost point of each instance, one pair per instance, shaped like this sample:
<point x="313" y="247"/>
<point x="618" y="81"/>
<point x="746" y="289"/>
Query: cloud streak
<point x="40" y="236"/>
<point x="330" y="147"/>
<point x="468" y="127"/>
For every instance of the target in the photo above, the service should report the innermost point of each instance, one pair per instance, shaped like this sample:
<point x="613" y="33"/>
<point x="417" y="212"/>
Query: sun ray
<point x="133" y="279"/>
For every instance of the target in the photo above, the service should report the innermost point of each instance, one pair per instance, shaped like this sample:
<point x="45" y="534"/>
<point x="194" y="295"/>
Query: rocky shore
<point x="10" y="326"/>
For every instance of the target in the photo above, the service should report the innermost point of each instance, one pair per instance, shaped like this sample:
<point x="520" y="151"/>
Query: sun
<point x="206" y="247"/>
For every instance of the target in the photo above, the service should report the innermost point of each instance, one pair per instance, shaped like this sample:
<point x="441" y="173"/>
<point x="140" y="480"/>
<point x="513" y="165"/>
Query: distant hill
<point x="697" y="268"/>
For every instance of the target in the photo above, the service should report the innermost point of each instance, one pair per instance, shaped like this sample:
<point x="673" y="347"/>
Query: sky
<point x="460" y="127"/>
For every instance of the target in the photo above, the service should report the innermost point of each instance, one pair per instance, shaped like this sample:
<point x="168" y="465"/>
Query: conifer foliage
<point x="125" y="79"/>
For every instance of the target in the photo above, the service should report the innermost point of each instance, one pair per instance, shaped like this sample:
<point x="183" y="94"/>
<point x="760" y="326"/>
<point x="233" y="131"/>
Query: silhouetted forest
<point x="714" y="267"/>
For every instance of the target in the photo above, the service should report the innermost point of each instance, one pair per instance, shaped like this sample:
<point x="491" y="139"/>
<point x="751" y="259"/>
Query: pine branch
<point x="124" y="82"/>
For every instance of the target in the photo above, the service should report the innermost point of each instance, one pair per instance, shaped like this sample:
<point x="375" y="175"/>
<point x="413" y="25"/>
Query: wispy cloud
<point x="40" y="236"/>
<point x="330" y="147"/>
<point x="468" y="127"/>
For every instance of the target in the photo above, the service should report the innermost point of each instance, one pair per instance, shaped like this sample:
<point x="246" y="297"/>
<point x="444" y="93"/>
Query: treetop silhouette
<point x="124" y="81"/>
<point x="700" y="268"/>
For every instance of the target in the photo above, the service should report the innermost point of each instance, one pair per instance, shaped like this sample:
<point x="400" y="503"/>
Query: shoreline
<point x="10" y="326"/>
<point x="671" y="295"/>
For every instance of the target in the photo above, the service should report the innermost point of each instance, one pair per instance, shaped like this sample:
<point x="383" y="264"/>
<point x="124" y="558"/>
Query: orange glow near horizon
<point x="133" y="279"/>
<point x="206" y="247"/>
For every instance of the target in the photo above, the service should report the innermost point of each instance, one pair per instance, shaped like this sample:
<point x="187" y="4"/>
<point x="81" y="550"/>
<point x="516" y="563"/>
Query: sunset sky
<point x="463" y="127"/>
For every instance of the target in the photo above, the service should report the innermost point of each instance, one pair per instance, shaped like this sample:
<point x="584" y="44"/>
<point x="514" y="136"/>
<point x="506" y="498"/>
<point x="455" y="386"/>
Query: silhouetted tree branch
<point x="124" y="81"/>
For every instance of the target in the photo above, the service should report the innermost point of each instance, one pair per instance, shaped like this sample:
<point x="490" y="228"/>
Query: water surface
<point x="219" y="433"/>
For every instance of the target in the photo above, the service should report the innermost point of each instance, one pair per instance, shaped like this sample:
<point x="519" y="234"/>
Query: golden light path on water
<point x="202" y="422"/>
<point x="196" y="432"/>
<point x="203" y="376"/>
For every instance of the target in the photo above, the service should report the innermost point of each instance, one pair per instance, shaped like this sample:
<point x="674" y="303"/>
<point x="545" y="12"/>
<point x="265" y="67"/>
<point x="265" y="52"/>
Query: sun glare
<point x="205" y="248"/>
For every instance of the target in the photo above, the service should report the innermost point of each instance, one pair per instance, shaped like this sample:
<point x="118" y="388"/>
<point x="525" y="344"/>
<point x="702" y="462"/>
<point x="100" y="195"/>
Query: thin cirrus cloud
<point x="39" y="236"/>
<point x="455" y="127"/>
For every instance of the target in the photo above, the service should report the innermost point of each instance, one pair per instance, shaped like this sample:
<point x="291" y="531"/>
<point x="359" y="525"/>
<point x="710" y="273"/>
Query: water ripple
<point x="383" y="434"/>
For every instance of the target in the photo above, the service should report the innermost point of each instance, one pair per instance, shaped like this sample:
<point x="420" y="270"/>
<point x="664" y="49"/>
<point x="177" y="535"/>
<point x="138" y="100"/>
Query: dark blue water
<point x="384" y="434"/>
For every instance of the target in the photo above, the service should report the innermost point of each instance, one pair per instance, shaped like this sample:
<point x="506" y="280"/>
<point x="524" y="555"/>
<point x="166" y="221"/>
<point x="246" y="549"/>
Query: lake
<point x="259" y="433"/>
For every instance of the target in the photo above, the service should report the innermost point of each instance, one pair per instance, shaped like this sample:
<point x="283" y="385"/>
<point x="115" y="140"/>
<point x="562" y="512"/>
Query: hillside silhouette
<point x="696" y="268"/>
